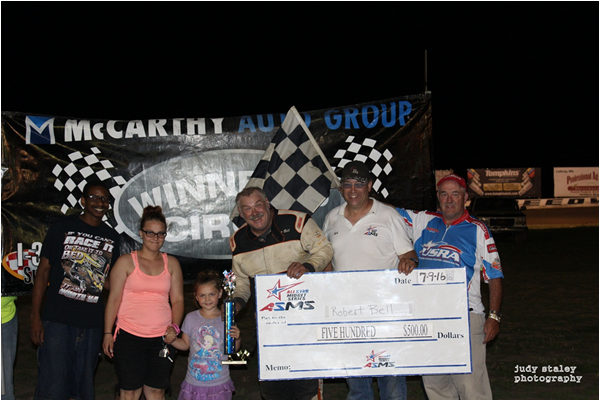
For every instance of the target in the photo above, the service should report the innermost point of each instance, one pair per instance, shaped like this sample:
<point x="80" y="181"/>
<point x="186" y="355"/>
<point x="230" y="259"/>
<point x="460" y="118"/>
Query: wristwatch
<point x="497" y="316"/>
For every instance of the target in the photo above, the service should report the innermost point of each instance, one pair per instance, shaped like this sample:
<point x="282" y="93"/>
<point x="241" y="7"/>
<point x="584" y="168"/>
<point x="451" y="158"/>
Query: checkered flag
<point x="365" y="152"/>
<point x="72" y="178"/>
<point x="293" y="172"/>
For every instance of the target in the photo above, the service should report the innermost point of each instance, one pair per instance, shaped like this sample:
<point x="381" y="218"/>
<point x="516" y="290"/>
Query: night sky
<point x="513" y="84"/>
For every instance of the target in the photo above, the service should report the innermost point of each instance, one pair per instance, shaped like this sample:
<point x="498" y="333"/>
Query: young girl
<point x="203" y="333"/>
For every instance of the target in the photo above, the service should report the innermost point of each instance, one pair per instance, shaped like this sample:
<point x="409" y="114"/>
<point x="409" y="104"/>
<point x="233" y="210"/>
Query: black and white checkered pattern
<point x="71" y="179"/>
<point x="293" y="172"/>
<point x="365" y="152"/>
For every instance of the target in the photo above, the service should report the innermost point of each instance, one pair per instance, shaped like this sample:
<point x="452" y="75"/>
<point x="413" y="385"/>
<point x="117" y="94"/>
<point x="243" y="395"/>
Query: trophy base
<point x="240" y="360"/>
<point x="228" y="362"/>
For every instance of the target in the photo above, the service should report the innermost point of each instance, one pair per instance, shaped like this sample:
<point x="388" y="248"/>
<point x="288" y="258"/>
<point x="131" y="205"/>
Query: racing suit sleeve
<point x="317" y="245"/>
<point x="402" y="241"/>
<point x="407" y="217"/>
<point x="487" y="256"/>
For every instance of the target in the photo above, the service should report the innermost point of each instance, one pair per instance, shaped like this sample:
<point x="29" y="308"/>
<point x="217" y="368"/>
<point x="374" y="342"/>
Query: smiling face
<point x="95" y="208"/>
<point x="356" y="193"/>
<point x="149" y="240"/>
<point x="256" y="210"/>
<point x="452" y="198"/>
<point x="208" y="296"/>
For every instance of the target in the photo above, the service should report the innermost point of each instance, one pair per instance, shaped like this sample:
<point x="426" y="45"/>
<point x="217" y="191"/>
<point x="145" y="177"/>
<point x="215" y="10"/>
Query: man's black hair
<point x="93" y="183"/>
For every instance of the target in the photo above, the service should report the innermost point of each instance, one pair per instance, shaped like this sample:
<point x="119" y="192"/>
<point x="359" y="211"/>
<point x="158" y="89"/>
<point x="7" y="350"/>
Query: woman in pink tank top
<point x="145" y="309"/>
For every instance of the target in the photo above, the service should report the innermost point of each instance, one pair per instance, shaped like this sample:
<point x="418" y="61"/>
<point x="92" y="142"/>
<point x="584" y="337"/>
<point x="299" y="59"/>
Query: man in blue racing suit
<point x="452" y="238"/>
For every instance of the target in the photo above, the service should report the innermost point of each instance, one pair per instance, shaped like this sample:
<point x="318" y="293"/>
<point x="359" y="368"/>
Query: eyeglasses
<point x="96" y="198"/>
<point x="152" y="234"/>
<point x="358" y="185"/>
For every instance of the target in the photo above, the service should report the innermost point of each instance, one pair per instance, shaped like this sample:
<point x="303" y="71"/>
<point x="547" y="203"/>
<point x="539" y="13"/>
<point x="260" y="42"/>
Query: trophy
<point x="229" y="308"/>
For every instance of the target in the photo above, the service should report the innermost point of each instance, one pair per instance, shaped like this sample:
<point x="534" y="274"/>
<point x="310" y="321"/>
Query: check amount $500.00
<point x="373" y="331"/>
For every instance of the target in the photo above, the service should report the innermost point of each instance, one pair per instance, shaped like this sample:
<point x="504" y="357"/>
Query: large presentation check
<point x="362" y="323"/>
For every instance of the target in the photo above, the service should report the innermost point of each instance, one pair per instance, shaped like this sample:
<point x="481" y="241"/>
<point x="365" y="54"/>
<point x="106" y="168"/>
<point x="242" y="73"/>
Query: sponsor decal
<point x="39" y="130"/>
<point x="22" y="263"/>
<point x="502" y="173"/>
<point x="295" y="298"/>
<point x="378" y="360"/>
<point x="284" y="306"/>
<point x="496" y="264"/>
<point x="441" y="251"/>
<point x="371" y="231"/>
<point x="591" y="176"/>
<point x="278" y="289"/>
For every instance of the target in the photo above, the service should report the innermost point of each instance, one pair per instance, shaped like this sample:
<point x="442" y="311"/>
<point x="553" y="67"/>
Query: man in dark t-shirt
<point x="76" y="257"/>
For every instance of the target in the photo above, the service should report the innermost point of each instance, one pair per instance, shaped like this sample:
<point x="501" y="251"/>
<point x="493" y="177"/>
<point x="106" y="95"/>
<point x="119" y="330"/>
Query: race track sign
<point x="362" y="323"/>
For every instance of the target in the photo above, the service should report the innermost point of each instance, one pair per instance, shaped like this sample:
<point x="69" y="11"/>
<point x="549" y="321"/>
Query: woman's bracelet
<point x="176" y="328"/>
<point x="108" y="333"/>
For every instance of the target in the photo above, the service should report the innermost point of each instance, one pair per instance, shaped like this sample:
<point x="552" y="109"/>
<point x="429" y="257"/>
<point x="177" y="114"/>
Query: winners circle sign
<point x="197" y="193"/>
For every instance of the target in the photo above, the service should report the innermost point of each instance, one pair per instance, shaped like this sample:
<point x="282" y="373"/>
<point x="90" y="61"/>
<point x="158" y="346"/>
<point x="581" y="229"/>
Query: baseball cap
<point x="453" y="177"/>
<point x="356" y="171"/>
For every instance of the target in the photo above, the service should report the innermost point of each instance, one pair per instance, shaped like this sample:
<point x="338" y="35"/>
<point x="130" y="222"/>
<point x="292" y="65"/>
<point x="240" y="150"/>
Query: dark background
<point x="514" y="84"/>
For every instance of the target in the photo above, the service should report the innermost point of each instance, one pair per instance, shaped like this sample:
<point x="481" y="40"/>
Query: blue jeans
<point x="390" y="388"/>
<point x="9" y="352"/>
<point x="66" y="362"/>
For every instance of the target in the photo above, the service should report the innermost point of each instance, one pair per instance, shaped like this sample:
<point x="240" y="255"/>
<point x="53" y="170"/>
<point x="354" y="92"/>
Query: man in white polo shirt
<point x="367" y="235"/>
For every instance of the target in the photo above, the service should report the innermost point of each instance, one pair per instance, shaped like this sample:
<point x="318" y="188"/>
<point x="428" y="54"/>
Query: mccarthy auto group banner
<point x="193" y="168"/>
